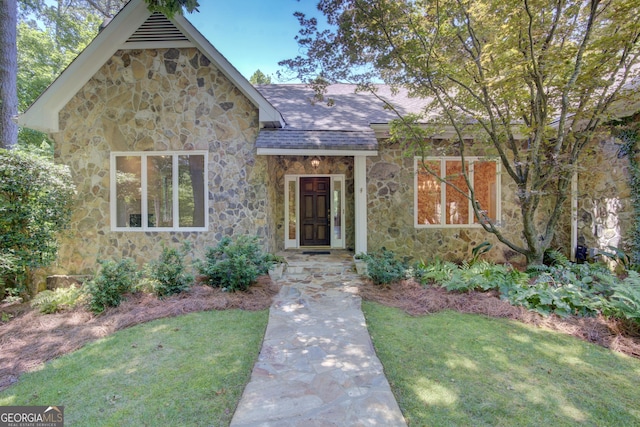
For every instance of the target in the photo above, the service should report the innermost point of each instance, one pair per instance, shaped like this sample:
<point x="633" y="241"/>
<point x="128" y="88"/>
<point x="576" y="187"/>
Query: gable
<point x="135" y="27"/>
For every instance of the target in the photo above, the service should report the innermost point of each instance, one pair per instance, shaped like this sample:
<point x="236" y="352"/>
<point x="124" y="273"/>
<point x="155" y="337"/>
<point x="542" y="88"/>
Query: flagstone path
<point x="317" y="366"/>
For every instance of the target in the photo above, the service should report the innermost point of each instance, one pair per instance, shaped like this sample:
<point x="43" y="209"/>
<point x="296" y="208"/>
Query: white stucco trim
<point x="314" y="152"/>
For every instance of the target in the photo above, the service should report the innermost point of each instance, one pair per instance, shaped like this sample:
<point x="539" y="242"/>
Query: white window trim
<point x="144" y="208"/>
<point x="442" y="160"/>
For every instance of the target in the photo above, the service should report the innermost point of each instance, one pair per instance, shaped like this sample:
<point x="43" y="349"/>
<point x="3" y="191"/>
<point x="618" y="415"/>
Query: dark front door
<point x="315" y="211"/>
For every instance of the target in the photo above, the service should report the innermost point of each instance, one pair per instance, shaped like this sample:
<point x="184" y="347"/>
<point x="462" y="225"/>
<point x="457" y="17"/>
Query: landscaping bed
<point x="417" y="300"/>
<point x="30" y="338"/>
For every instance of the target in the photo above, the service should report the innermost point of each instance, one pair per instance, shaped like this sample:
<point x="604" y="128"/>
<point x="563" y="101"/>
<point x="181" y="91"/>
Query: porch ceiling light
<point x="315" y="162"/>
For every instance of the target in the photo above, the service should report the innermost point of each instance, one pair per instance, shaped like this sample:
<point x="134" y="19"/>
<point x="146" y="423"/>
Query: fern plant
<point x="60" y="299"/>
<point x="625" y="300"/>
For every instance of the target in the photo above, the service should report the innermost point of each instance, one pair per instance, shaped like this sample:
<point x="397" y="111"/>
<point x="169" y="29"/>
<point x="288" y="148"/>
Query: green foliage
<point x="437" y="271"/>
<point x="110" y="284"/>
<point x="571" y="289"/>
<point x="168" y="273"/>
<point x="627" y="131"/>
<point x="621" y="258"/>
<point x="384" y="268"/>
<point x="171" y="7"/>
<point x="479" y="250"/>
<point x="235" y="265"/>
<point x="625" y="300"/>
<point x="35" y="202"/>
<point x="60" y="299"/>
<point x="259" y="78"/>
<point x="481" y="275"/>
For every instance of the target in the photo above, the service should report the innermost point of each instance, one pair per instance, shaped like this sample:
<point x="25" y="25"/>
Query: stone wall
<point x="390" y="194"/>
<point x="158" y="100"/>
<point x="605" y="213"/>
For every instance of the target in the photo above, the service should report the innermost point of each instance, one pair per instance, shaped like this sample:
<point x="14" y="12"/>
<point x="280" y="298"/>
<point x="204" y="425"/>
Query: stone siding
<point x="605" y="214"/>
<point x="390" y="195"/>
<point x="605" y="211"/>
<point x="160" y="100"/>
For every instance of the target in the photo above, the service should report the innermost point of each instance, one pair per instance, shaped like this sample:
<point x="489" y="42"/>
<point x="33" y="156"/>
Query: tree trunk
<point x="8" y="73"/>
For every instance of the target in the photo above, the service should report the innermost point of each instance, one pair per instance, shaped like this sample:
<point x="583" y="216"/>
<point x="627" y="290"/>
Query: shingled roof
<point x="340" y="121"/>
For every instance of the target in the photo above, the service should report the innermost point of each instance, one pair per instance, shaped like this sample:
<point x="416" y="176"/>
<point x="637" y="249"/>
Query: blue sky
<point x="252" y="34"/>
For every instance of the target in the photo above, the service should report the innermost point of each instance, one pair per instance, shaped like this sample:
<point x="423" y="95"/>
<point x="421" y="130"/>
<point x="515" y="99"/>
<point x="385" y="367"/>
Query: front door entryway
<point x="315" y="211"/>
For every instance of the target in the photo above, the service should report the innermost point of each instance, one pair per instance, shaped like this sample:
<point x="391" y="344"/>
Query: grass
<point x="451" y="369"/>
<point x="188" y="371"/>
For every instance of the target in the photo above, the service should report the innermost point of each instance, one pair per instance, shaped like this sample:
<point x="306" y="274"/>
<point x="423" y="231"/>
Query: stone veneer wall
<point x="300" y="165"/>
<point x="157" y="100"/>
<point x="605" y="213"/>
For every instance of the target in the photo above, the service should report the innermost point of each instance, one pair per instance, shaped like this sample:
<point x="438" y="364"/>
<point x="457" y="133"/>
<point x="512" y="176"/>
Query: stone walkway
<point x="317" y="366"/>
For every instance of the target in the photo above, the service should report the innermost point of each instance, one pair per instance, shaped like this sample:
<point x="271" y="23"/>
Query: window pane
<point x="191" y="190"/>
<point x="429" y="196"/>
<point x="457" y="203"/>
<point x="128" y="192"/>
<point x="337" y="210"/>
<point x="160" y="191"/>
<point x="484" y="184"/>
<point x="292" y="210"/>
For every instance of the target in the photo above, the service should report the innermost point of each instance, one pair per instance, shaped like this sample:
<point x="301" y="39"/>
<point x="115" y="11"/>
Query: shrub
<point x="60" y="299"/>
<point x="234" y="266"/>
<point x="564" y="289"/>
<point x="384" y="268"/>
<point x="35" y="200"/>
<point x="168" y="273"/>
<point x="110" y="284"/>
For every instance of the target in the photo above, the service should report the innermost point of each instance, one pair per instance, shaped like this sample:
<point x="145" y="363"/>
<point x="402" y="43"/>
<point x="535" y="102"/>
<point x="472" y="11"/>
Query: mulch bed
<point x="30" y="338"/>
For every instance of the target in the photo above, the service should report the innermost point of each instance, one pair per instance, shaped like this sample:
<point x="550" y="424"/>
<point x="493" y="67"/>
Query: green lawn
<point x="452" y="369"/>
<point x="184" y="371"/>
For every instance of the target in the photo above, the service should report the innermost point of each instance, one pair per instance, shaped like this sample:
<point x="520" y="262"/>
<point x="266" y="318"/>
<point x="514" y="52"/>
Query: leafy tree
<point x="171" y="7"/>
<point x="45" y="50"/>
<point x="35" y="202"/>
<point x="533" y="79"/>
<point x="260" y="78"/>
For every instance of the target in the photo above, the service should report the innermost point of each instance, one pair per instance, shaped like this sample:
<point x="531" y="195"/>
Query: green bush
<point x="35" y="201"/>
<point x="110" y="284"/>
<point x="384" y="268"/>
<point x="564" y="288"/>
<point x="168" y="273"/>
<point x="235" y="265"/>
<point x="60" y="299"/>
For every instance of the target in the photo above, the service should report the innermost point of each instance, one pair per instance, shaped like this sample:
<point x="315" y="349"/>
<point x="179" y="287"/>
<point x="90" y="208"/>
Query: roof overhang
<point x="42" y="115"/>
<point x="314" y="152"/>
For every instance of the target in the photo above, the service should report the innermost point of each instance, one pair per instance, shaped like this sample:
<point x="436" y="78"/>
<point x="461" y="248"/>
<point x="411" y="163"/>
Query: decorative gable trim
<point x="157" y="28"/>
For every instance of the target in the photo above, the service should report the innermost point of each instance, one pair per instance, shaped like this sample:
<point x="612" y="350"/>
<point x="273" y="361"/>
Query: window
<point x="156" y="191"/>
<point x="443" y="205"/>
